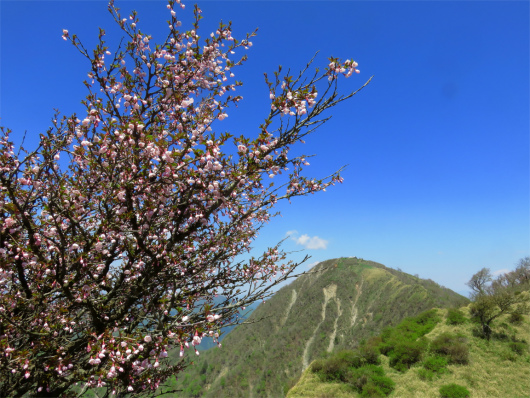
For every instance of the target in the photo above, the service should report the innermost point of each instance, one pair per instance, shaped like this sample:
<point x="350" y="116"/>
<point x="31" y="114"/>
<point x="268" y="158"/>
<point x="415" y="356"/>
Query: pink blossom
<point x="149" y="209"/>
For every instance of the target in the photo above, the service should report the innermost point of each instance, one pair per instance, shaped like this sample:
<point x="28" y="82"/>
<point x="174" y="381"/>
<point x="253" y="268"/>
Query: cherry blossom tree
<point x="123" y="233"/>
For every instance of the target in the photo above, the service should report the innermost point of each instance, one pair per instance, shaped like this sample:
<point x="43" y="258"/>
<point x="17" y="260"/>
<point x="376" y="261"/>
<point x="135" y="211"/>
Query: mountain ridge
<point x="333" y="307"/>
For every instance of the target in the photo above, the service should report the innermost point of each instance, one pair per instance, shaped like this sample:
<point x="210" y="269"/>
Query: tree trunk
<point x="486" y="330"/>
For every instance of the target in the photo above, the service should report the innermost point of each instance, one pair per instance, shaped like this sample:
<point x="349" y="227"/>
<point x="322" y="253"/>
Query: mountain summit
<point x="333" y="307"/>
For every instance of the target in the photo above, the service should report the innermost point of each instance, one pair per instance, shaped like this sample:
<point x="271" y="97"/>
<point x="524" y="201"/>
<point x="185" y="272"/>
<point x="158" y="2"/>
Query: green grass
<point x="495" y="369"/>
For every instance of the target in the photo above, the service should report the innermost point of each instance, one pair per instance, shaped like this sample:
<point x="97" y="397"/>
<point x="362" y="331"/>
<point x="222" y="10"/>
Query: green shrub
<point x="425" y="374"/>
<point x="385" y="384"/>
<point x="518" y="347"/>
<point x="370" y="354"/>
<point x="501" y="336"/>
<point x="410" y="328"/>
<point x="359" y="377"/>
<point x="451" y="346"/>
<point x="399" y="343"/>
<point x="370" y="390"/>
<point x="516" y="318"/>
<point x="436" y="364"/>
<point x="478" y="332"/>
<point x="388" y="346"/>
<point x="455" y="317"/>
<point x="317" y="366"/>
<point x="406" y="353"/>
<point x="330" y="369"/>
<point x="459" y="354"/>
<point x="336" y="367"/>
<point x="349" y="358"/>
<point x="418" y="326"/>
<point x="454" y="391"/>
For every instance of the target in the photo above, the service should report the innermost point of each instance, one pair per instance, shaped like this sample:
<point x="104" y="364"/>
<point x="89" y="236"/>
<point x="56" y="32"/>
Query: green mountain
<point x="445" y="357"/>
<point x="336" y="305"/>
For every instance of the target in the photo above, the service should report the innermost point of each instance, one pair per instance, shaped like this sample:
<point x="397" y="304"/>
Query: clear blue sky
<point x="437" y="145"/>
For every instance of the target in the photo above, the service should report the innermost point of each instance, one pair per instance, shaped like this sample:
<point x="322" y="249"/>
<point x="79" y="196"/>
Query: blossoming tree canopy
<point x="126" y="222"/>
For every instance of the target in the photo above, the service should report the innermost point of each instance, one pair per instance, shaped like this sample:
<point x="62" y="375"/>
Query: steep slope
<point x="335" y="306"/>
<point x="495" y="369"/>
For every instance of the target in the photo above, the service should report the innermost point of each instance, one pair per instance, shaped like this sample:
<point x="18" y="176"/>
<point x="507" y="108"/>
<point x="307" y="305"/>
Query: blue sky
<point x="437" y="146"/>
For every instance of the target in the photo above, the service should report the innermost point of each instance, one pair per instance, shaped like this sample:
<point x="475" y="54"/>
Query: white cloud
<point x="309" y="242"/>
<point x="500" y="272"/>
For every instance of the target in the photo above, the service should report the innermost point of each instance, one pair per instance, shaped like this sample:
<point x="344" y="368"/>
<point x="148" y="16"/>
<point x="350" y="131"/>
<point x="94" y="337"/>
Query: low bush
<point x="454" y="391"/>
<point x="516" y="318"/>
<point x="317" y="366"/>
<point x="370" y="380"/>
<point x="436" y="364"/>
<point x="478" y="332"/>
<point x="518" y="347"/>
<point x="411" y="328"/>
<point x="425" y="374"/>
<point x="500" y="336"/>
<point x="369" y="354"/>
<point x="370" y="390"/>
<point x="401" y="343"/>
<point x="330" y="369"/>
<point x="349" y="358"/>
<point x="455" y="317"/>
<point x="385" y="384"/>
<point x="358" y="378"/>
<point x="407" y="353"/>
<point x="336" y="367"/>
<point x="452" y="346"/>
<point x="387" y="346"/>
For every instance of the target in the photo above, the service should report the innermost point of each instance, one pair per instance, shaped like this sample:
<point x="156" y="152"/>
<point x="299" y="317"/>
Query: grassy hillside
<point x="451" y="354"/>
<point x="336" y="306"/>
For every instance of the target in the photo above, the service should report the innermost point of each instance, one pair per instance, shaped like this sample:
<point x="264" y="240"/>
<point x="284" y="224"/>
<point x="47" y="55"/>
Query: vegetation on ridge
<point x="424" y="357"/>
<point x="331" y="309"/>
<point x="499" y="367"/>
<point x="509" y="293"/>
